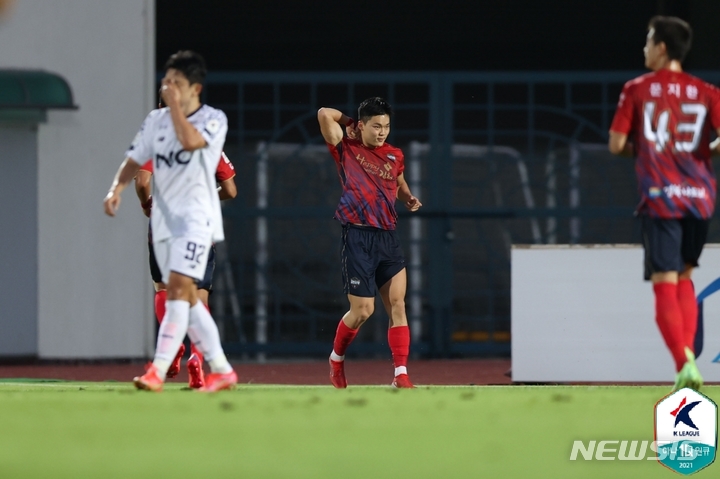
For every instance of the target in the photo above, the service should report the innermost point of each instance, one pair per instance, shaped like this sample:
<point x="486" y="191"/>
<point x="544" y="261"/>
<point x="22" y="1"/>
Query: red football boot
<point x="150" y="381"/>
<point x="217" y="382"/>
<point x="174" y="368"/>
<point x="402" y="381"/>
<point x="196" y="377"/>
<point x="337" y="374"/>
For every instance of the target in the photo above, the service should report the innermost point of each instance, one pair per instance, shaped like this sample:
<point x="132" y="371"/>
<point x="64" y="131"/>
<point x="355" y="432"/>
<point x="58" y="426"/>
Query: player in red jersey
<point x="371" y="173"/>
<point x="225" y="177"/>
<point x="664" y="119"/>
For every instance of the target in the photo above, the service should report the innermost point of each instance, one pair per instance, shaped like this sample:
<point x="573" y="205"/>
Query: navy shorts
<point x="206" y="282"/>
<point x="370" y="258"/>
<point x="670" y="244"/>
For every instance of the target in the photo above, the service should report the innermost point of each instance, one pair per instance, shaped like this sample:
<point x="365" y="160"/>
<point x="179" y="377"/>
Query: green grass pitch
<point x="109" y="430"/>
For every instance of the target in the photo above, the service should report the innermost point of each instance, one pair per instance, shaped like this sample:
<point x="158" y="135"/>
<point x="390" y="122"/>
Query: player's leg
<point x="204" y="333"/>
<point x="159" y="302"/>
<point x="688" y="306"/>
<point x="392" y="283"/>
<point x="662" y="241"/>
<point x="359" y="285"/>
<point x="196" y="377"/>
<point x="694" y="236"/>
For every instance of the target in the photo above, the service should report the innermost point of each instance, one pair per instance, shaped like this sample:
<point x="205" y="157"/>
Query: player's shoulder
<point x="700" y="83"/>
<point x="154" y="117"/>
<point x="640" y="80"/>
<point x="208" y="113"/>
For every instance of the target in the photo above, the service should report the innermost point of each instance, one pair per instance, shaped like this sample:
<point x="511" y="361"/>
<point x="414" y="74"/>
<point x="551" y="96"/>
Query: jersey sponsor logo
<point x="374" y="169"/>
<point x="680" y="191"/>
<point x="181" y="157"/>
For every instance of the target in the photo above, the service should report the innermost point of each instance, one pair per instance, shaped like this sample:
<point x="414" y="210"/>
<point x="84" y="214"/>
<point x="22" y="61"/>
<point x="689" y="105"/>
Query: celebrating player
<point x="371" y="173"/>
<point x="664" y="120"/>
<point x="185" y="140"/>
<point x="224" y="176"/>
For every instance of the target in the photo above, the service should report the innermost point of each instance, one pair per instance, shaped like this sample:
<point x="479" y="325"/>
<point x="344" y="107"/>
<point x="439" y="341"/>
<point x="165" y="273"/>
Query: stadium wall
<point x="93" y="293"/>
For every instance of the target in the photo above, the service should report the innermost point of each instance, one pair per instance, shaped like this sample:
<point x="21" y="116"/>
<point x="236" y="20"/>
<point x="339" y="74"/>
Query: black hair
<point x="675" y="33"/>
<point x="190" y="64"/>
<point x="373" y="107"/>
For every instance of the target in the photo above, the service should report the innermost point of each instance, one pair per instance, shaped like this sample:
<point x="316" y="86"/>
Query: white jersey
<point x="185" y="197"/>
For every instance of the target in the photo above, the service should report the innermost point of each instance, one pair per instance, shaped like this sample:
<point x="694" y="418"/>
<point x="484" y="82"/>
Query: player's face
<point x="653" y="52"/>
<point x="375" y="131"/>
<point x="188" y="92"/>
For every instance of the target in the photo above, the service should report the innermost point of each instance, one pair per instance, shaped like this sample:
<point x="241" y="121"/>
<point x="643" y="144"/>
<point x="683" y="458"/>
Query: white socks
<point x="172" y="332"/>
<point x="204" y="334"/>
<point x="400" y="370"/>
<point x="336" y="357"/>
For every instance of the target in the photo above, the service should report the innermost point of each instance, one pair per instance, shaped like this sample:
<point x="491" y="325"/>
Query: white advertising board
<point x="584" y="313"/>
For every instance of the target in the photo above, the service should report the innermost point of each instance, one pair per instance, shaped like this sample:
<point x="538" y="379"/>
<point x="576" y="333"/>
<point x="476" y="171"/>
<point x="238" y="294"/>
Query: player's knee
<point x="363" y="311"/>
<point x="397" y="303"/>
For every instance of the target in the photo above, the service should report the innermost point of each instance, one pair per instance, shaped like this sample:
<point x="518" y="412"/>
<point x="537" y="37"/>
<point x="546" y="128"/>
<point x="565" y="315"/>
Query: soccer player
<point x="185" y="140"/>
<point x="371" y="174"/>
<point x="224" y="176"/>
<point x="664" y="120"/>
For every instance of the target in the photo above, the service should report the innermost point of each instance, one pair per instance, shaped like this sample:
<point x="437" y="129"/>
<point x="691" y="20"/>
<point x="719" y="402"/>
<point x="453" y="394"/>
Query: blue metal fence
<point x="496" y="158"/>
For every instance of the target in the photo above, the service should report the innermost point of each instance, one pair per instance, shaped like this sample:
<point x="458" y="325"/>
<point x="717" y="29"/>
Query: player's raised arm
<point x="331" y="122"/>
<point x="127" y="171"/>
<point x="187" y="135"/>
<point x="404" y="194"/>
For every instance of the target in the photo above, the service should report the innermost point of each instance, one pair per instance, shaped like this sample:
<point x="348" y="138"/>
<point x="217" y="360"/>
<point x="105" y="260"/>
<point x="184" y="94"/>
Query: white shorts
<point x="187" y="255"/>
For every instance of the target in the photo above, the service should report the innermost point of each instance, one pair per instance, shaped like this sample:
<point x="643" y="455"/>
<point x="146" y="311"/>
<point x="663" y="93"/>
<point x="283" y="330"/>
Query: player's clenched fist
<point x="111" y="203"/>
<point x="169" y="92"/>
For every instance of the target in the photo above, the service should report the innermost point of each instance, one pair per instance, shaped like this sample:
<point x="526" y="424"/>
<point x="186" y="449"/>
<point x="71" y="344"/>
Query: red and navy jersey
<point x="668" y="116"/>
<point x="369" y="179"/>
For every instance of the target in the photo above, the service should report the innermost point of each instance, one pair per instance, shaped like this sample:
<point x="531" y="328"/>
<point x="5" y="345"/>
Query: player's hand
<point x="147" y="206"/>
<point x="413" y="204"/>
<point x="169" y="93"/>
<point x="111" y="203"/>
<point x="352" y="131"/>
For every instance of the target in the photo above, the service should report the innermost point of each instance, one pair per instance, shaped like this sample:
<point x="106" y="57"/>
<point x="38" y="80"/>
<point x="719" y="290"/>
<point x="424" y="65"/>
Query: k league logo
<point x="686" y="431"/>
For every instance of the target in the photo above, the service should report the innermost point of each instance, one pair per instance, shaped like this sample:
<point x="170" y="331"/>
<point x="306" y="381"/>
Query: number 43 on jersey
<point x="661" y="135"/>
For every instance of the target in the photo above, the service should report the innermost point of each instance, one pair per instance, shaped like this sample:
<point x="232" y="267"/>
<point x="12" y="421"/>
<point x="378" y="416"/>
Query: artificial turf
<point x="109" y="430"/>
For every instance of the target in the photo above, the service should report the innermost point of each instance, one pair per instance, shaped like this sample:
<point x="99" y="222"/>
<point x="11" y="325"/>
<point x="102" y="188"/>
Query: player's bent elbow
<point x="615" y="148"/>
<point x="230" y="192"/>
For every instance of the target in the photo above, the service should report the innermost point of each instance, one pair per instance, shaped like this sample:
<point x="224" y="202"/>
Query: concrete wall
<point x="583" y="313"/>
<point x="93" y="292"/>
<point x="18" y="241"/>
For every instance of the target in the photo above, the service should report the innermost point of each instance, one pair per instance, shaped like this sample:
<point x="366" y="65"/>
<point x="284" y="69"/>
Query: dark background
<point x="417" y="35"/>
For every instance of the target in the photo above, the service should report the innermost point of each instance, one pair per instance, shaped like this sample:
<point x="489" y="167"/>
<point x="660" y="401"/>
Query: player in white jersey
<point x="185" y="141"/>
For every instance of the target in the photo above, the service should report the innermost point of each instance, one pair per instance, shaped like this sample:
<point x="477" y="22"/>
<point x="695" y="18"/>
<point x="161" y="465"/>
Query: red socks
<point x="399" y="341"/>
<point x="160" y="298"/>
<point x="669" y="319"/>
<point x="343" y="338"/>
<point x="689" y="308"/>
